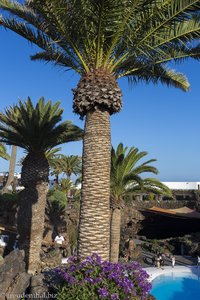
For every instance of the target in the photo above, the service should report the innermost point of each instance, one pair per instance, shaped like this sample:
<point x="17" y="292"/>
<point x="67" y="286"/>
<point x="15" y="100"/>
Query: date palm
<point x="126" y="172"/>
<point x="103" y="41"/>
<point x="71" y="164"/>
<point x="37" y="130"/>
<point x="67" y="164"/>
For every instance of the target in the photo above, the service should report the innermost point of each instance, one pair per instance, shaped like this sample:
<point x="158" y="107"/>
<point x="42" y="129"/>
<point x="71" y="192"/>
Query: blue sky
<point x="163" y="121"/>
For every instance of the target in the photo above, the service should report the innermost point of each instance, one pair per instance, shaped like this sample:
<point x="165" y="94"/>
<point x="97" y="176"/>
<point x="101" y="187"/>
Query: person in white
<point x="59" y="239"/>
<point x="173" y="261"/>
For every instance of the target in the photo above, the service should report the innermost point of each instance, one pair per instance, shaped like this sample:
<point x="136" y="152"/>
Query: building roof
<point x="183" y="212"/>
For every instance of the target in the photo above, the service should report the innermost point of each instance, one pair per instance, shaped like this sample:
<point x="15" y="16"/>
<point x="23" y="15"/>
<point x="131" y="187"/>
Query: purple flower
<point x="114" y="297"/>
<point x="103" y="292"/>
<point x="108" y="280"/>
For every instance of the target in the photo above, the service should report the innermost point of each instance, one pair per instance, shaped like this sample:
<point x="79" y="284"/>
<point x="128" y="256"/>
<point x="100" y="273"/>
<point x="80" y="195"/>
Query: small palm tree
<point x="68" y="165"/>
<point x="103" y="41"/>
<point x="56" y="167"/>
<point x="36" y="129"/>
<point x="126" y="178"/>
<point x="72" y="164"/>
<point x="66" y="185"/>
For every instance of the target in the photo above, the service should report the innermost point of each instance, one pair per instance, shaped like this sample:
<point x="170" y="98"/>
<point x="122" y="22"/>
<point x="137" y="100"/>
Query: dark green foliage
<point x="72" y="230"/>
<point x="67" y="164"/>
<point x="3" y="152"/>
<point x="58" y="199"/>
<point x="155" y="246"/>
<point x="127" y="171"/>
<point x="9" y="198"/>
<point x="9" y="203"/>
<point x="134" y="39"/>
<point x="36" y="129"/>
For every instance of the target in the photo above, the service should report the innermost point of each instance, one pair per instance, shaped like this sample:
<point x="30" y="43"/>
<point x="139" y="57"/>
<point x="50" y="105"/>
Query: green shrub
<point x="8" y="201"/>
<point x="58" y="199"/>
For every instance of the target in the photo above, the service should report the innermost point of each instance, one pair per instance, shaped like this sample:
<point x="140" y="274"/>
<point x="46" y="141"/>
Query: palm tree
<point x="126" y="172"/>
<point x="35" y="129"/>
<point x="71" y="165"/>
<point x="65" y="186"/>
<point x="65" y="164"/>
<point x="103" y="41"/>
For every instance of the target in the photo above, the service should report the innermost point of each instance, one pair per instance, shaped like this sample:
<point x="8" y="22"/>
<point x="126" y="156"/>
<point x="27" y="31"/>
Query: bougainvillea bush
<point x="96" y="279"/>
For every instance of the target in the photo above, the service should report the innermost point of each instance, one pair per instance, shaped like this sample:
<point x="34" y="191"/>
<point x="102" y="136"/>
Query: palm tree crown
<point x="102" y="39"/>
<point x="71" y="164"/>
<point x="36" y="129"/>
<point x="126" y="174"/>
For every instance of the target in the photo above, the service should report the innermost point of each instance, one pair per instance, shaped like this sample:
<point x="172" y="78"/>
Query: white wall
<point x="183" y="185"/>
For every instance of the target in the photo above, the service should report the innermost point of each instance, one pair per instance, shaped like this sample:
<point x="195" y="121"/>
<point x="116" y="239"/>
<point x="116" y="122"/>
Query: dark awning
<point x="182" y="212"/>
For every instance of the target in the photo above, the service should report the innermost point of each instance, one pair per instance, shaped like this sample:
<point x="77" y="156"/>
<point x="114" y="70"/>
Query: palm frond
<point x="3" y="152"/>
<point x="150" y="185"/>
<point x="38" y="128"/>
<point x="126" y="171"/>
<point x="126" y="38"/>
<point x="160" y="74"/>
<point x="58" y="58"/>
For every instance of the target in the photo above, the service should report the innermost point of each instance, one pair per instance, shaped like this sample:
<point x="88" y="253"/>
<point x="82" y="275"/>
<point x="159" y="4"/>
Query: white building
<point x="183" y="185"/>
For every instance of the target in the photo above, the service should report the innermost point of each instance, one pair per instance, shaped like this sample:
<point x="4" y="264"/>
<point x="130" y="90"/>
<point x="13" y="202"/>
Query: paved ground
<point x="180" y="260"/>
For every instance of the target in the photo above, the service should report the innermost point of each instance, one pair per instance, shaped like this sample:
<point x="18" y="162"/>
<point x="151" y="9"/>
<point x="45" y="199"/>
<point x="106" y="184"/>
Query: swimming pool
<point x="185" y="286"/>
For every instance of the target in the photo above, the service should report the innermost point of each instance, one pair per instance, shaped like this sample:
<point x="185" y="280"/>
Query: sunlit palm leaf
<point x="116" y="35"/>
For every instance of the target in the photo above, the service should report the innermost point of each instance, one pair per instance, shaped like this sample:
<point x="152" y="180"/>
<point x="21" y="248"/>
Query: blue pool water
<point x="171" y="287"/>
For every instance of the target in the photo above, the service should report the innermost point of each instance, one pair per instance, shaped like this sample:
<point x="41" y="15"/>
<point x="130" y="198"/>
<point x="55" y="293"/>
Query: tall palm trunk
<point x="11" y="169"/>
<point x="115" y="234"/>
<point x="32" y="208"/>
<point x="94" y="226"/>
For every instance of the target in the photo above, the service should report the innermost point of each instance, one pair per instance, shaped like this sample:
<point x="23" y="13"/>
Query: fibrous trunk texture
<point x="32" y="208"/>
<point x="94" y="225"/>
<point x="115" y="234"/>
<point x="11" y="173"/>
<point x="97" y="90"/>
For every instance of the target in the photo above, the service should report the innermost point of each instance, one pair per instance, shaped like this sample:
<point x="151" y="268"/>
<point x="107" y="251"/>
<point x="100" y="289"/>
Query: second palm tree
<point x="36" y="129"/>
